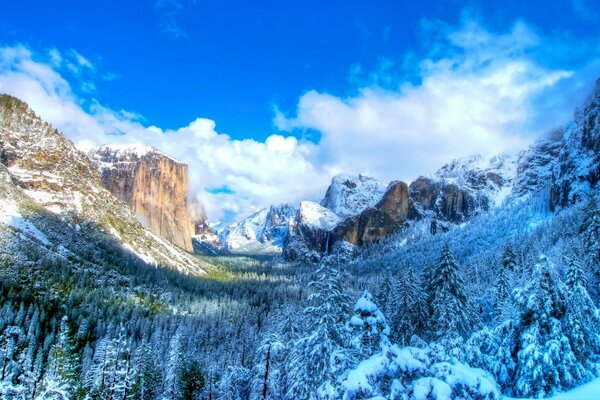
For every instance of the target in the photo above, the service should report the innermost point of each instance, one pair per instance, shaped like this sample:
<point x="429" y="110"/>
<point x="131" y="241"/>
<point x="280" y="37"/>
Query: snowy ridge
<point x="108" y="155"/>
<point x="493" y="177"/>
<point x="263" y="232"/>
<point x="348" y="196"/>
<point x="316" y="216"/>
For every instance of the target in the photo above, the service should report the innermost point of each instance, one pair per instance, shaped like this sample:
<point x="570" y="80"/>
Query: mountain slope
<point x="55" y="185"/>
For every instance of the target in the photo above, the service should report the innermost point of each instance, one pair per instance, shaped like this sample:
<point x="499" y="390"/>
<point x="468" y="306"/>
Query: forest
<point x="505" y="305"/>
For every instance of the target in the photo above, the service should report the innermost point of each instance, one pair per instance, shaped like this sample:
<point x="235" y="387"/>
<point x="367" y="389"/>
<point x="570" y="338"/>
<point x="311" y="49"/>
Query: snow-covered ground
<point x="589" y="391"/>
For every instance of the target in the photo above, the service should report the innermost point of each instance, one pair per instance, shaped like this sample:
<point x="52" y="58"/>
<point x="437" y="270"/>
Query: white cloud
<point x="476" y="92"/>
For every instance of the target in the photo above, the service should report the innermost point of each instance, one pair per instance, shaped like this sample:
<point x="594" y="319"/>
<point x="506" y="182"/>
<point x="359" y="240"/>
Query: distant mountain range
<point x="139" y="196"/>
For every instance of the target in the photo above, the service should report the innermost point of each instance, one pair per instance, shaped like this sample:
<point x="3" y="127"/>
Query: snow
<point x="9" y="215"/>
<point x="315" y="215"/>
<point x="263" y="232"/>
<point x="431" y="388"/>
<point x="348" y="195"/>
<point x="588" y="391"/>
<point x="364" y="304"/>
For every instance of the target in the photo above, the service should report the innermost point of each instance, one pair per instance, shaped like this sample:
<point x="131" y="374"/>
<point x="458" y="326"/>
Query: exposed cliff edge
<point x="153" y="185"/>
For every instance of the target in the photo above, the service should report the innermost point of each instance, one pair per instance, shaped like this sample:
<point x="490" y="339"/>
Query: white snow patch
<point x="9" y="215"/>
<point x="313" y="214"/>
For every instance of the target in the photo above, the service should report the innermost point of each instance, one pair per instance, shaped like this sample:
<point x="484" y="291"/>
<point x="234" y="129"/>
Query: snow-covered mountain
<point x="348" y="195"/>
<point x="566" y="168"/>
<point x="263" y="232"/>
<point x="310" y="231"/>
<point x="53" y="196"/>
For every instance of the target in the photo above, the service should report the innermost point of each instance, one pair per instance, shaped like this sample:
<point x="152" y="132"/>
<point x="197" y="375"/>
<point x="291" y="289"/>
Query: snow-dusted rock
<point x="264" y="232"/>
<point x="348" y="196"/>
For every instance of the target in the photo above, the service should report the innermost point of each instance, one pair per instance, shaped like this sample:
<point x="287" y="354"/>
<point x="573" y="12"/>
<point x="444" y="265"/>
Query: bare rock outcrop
<point x="153" y="185"/>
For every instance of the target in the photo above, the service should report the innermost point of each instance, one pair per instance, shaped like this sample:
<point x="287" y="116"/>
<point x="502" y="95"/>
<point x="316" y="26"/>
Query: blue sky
<point x="314" y="82"/>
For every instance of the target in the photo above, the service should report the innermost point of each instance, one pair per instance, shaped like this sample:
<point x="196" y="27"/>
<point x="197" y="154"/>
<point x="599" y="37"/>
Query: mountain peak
<point x="349" y="195"/>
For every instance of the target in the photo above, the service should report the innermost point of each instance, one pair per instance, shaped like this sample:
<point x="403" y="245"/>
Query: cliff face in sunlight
<point x="153" y="185"/>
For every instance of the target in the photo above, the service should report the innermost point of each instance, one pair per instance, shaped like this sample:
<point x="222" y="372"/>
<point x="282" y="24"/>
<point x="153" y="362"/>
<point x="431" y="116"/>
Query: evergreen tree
<point x="502" y="292"/>
<point x="192" y="381"/>
<point x="147" y="377"/>
<point x="545" y="360"/>
<point x="320" y="356"/>
<point x="449" y="317"/>
<point x="267" y="382"/>
<point x="368" y="328"/>
<point x="582" y="321"/>
<point x="62" y="375"/>
<point x="172" y="386"/>
<point x="408" y="307"/>
<point x="590" y="230"/>
<point x="509" y="258"/>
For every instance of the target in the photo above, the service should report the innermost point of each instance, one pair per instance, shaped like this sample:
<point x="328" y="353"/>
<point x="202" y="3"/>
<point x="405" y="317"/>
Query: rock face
<point x="206" y="241"/>
<point x="310" y="232"/>
<point x="154" y="186"/>
<point x="44" y="172"/>
<point x="578" y="169"/>
<point x="374" y="223"/>
<point x="263" y="232"/>
<point x="347" y="195"/>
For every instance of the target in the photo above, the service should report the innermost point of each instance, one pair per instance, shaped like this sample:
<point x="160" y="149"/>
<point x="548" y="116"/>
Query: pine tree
<point x="64" y="363"/>
<point x="368" y="328"/>
<point x="192" y="381"/>
<point x="502" y="292"/>
<point x="172" y="387"/>
<point x="582" y="322"/>
<point x="408" y="307"/>
<point x="147" y="375"/>
<point x="590" y="230"/>
<point x="545" y="360"/>
<point x="320" y="356"/>
<point x="509" y="258"/>
<point x="449" y="317"/>
<point x="267" y="383"/>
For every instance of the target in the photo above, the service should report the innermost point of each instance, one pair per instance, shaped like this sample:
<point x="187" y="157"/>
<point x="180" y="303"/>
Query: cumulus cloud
<point x="474" y="92"/>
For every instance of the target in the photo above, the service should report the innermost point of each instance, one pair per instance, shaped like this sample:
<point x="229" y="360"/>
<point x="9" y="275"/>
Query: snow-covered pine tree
<point x="147" y="375"/>
<point x="124" y="372"/>
<point x="545" y="360"/>
<point x="385" y="293"/>
<point x="509" y="258"/>
<point x="62" y="374"/>
<point x="448" y="300"/>
<point x="502" y="292"/>
<point x="582" y="322"/>
<point x="320" y="356"/>
<point x="408" y="307"/>
<point x="266" y="374"/>
<point x="590" y="231"/>
<point x="172" y="387"/>
<point x="192" y="381"/>
<point x="368" y="328"/>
